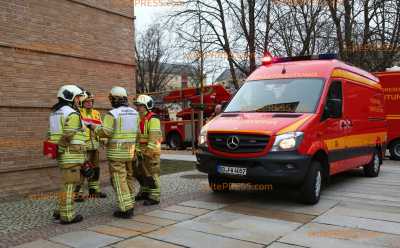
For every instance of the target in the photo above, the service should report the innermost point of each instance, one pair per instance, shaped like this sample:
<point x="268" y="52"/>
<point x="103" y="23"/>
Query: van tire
<point x="218" y="185"/>
<point x="394" y="150"/>
<point x="174" y="141"/>
<point x="373" y="168"/>
<point x="312" y="186"/>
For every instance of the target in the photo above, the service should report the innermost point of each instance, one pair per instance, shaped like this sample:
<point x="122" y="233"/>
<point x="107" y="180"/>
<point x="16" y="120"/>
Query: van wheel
<point x="312" y="186"/>
<point x="218" y="185"/>
<point x="174" y="141"/>
<point x="395" y="150"/>
<point x="372" y="169"/>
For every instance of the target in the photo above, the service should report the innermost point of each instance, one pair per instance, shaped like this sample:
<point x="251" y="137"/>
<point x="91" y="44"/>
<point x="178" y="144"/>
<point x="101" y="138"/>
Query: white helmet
<point x="145" y="100"/>
<point x="69" y="92"/>
<point x="118" y="91"/>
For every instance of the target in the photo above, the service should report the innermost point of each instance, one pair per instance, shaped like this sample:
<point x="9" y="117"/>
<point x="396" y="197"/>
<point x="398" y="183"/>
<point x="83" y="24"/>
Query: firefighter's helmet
<point x="69" y="92"/>
<point x="118" y="92"/>
<point x="89" y="96"/>
<point x="145" y="100"/>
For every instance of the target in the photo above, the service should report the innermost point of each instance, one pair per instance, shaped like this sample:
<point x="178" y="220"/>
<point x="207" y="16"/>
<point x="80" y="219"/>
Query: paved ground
<point x="354" y="212"/>
<point x="181" y="157"/>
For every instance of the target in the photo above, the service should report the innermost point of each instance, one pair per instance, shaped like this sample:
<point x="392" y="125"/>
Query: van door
<point x="334" y="129"/>
<point x="363" y="125"/>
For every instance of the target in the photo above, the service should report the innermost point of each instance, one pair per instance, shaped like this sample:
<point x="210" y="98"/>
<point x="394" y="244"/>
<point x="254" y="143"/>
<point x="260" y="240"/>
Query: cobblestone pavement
<point x="21" y="220"/>
<point x="354" y="211"/>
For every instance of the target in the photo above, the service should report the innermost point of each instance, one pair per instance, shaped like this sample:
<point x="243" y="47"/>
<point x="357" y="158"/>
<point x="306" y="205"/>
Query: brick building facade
<point x="43" y="45"/>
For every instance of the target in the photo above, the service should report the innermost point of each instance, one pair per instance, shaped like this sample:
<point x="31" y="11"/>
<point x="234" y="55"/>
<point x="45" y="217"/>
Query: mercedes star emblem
<point x="232" y="142"/>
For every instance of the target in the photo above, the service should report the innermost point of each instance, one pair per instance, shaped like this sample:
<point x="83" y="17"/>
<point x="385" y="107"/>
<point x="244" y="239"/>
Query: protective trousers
<point x="93" y="182"/>
<point x="70" y="178"/>
<point x="148" y="175"/>
<point x="119" y="173"/>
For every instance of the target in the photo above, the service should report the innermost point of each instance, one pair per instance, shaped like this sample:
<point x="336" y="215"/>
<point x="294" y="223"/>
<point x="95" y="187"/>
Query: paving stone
<point x="363" y="223"/>
<point x="364" y="195"/>
<point x="320" y="235"/>
<point x="282" y="245"/>
<point x="85" y="239"/>
<point x="271" y="213"/>
<point x="323" y="206"/>
<point x="194" y="239"/>
<point x="356" y="200"/>
<point x="369" y="206"/>
<point x="143" y="242"/>
<point x="169" y="215"/>
<point x="187" y="210"/>
<point x="368" y="212"/>
<point x="153" y="220"/>
<point x="114" y="231"/>
<point x="239" y="226"/>
<point x="134" y="225"/>
<point x="203" y="204"/>
<point x="41" y="243"/>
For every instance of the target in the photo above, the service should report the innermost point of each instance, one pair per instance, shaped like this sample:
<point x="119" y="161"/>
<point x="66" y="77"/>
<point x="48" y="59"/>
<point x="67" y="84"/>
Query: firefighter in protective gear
<point x="67" y="131"/>
<point x="148" y="152"/>
<point x="120" y="127"/>
<point x="90" y="116"/>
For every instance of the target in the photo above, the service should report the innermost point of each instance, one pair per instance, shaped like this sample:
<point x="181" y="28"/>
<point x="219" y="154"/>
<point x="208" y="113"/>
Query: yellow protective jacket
<point x="120" y="127"/>
<point x="91" y="117"/>
<point x="66" y="130"/>
<point x="149" y="136"/>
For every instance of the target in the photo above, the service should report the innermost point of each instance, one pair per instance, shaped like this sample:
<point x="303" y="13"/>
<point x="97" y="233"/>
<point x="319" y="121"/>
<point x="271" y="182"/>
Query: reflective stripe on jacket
<point x="91" y="117"/>
<point x="120" y="126"/>
<point x="150" y="135"/>
<point x="66" y="129"/>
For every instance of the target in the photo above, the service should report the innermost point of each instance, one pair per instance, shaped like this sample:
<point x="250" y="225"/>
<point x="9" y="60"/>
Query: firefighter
<point x="217" y="111"/>
<point x="66" y="130"/>
<point x="148" y="152"/>
<point x="120" y="127"/>
<point x="90" y="116"/>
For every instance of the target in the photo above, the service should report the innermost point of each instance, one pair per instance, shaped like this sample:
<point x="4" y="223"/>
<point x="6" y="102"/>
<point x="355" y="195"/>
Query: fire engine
<point x="179" y="133"/>
<point x="390" y="81"/>
<point x="296" y="121"/>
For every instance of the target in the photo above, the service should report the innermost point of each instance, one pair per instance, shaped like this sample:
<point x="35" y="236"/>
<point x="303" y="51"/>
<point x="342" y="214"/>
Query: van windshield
<point x="296" y="95"/>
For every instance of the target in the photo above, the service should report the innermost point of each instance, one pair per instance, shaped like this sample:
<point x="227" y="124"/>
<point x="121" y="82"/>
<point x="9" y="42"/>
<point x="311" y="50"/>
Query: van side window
<point x="334" y="99"/>
<point x="335" y="91"/>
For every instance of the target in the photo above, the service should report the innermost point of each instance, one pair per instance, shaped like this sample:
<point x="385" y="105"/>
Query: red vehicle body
<point x="296" y="123"/>
<point x="390" y="82"/>
<point x="178" y="134"/>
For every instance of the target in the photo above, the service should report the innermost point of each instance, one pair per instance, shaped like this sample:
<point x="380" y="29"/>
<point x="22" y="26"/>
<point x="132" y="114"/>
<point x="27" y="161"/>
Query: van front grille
<point x="238" y="143"/>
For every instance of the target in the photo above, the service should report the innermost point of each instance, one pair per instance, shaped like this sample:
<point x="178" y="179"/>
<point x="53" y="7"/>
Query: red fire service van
<point x="296" y="121"/>
<point x="390" y="81"/>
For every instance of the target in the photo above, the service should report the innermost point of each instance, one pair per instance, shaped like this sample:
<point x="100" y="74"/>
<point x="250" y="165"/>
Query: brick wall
<point x="43" y="45"/>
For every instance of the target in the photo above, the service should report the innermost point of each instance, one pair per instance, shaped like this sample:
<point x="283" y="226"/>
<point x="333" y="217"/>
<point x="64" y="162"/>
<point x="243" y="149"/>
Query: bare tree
<point x="367" y="31"/>
<point x="152" y="57"/>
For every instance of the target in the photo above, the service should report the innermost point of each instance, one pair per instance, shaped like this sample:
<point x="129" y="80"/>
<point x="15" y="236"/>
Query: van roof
<point x="314" y="69"/>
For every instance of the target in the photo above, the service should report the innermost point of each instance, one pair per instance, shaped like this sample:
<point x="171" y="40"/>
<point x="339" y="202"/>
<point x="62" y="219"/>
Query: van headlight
<point x="287" y="142"/>
<point x="203" y="138"/>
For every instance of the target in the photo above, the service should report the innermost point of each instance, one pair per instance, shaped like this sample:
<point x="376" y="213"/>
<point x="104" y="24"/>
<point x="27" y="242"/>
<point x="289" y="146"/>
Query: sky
<point x="145" y="16"/>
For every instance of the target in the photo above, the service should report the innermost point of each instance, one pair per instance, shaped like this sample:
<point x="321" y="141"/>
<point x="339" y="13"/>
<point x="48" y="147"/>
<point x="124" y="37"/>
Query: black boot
<point x="94" y="194"/>
<point x="142" y="196"/>
<point x="124" y="215"/>
<point x="79" y="198"/>
<point x="150" y="202"/>
<point x="78" y="218"/>
<point x="56" y="215"/>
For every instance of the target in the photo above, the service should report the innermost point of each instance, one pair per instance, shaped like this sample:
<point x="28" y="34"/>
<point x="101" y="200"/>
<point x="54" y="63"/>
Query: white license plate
<point x="232" y="170"/>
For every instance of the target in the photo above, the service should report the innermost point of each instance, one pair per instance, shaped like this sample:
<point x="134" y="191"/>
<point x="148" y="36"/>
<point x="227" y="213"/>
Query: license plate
<point x="227" y="170"/>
